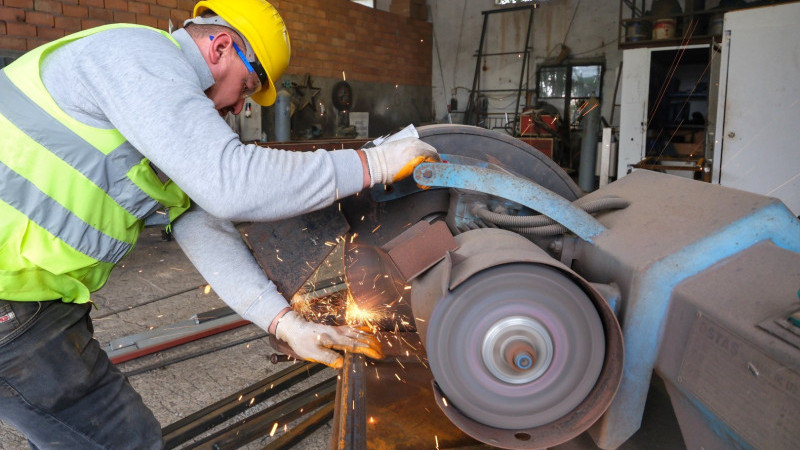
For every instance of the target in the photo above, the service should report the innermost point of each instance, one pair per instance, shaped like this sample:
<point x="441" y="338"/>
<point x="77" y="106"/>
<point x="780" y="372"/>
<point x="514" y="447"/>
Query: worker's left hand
<point x="318" y="343"/>
<point x="392" y="161"/>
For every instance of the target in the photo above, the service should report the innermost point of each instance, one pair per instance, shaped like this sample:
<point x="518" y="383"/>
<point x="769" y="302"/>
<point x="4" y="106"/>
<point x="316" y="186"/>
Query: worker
<point x="98" y="131"/>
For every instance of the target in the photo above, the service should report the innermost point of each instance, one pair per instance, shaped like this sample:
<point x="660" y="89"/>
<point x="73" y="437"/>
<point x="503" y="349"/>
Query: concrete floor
<point x="156" y="286"/>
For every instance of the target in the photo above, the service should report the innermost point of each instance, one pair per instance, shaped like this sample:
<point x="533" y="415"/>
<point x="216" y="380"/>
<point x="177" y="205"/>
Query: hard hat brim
<point x="266" y="96"/>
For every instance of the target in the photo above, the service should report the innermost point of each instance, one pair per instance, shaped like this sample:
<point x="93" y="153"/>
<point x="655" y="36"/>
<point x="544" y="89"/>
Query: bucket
<point x="664" y="29"/>
<point x="637" y="31"/>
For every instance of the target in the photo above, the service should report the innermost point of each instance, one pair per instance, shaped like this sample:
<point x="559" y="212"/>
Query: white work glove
<point x="316" y="342"/>
<point x="392" y="161"/>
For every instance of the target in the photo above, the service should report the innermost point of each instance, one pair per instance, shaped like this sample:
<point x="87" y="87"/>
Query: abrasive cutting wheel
<point x="524" y="352"/>
<point x="516" y="346"/>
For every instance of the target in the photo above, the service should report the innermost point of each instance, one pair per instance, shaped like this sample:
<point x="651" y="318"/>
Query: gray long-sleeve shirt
<point x="137" y="81"/>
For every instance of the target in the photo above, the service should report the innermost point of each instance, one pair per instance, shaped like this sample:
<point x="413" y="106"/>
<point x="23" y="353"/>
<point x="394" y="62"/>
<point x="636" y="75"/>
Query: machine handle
<point x="516" y="189"/>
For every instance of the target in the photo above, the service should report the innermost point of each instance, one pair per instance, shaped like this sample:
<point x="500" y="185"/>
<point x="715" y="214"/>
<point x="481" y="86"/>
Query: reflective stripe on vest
<point x="100" y="169"/>
<point x="72" y="197"/>
<point x="59" y="221"/>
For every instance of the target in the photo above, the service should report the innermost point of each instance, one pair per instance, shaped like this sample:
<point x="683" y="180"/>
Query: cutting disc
<point x="516" y="346"/>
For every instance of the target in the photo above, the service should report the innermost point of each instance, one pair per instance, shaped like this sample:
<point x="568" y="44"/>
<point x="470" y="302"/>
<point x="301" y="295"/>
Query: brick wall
<point x="328" y="36"/>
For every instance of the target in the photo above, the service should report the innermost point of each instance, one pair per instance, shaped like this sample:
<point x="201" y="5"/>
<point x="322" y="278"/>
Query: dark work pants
<point x="59" y="388"/>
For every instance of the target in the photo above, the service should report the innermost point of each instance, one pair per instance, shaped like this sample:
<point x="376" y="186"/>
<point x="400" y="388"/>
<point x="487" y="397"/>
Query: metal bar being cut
<point x="349" y="415"/>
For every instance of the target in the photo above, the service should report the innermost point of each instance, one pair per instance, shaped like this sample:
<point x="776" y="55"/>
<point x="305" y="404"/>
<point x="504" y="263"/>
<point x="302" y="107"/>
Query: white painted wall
<point x="457" y="28"/>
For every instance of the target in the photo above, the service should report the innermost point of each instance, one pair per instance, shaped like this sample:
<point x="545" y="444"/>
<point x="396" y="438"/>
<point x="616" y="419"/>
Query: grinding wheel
<point x="516" y="346"/>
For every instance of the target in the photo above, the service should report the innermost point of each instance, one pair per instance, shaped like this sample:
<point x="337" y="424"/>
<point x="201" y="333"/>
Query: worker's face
<point x="235" y="80"/>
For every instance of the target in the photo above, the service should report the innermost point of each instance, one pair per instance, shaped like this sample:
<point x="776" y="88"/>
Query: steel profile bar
<point x="194" y="424"/>
<point x="303" y="429"/>
<point x="350" y="410"/>
<point x="516" y="189"/>
<point x="262" y="423"/>
<point x="135" y="346"/>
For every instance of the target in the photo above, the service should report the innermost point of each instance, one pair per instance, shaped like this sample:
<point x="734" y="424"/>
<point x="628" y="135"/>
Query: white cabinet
<point x="758" y="135"/>
<point x="752" y="101"/>
<point x="664" y="102"/>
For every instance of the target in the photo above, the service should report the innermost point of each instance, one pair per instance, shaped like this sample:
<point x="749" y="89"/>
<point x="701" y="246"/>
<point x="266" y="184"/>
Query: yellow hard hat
<point x="262" y="26"/>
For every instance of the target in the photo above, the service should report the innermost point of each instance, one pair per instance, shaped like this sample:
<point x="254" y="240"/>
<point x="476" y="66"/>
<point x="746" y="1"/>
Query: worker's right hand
<point x="392" y="161"/>
<point x="318" y="343"/>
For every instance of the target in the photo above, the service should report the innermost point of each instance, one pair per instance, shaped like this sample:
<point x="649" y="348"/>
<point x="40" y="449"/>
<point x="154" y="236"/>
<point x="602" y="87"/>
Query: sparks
<point x="355" y="315"/>
<point x="274" y="428"/>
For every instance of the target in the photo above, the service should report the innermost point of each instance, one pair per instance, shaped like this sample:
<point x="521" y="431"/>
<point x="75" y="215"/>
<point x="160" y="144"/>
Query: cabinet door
<point x="633" y="108"/>
<point x="757" y="141"/>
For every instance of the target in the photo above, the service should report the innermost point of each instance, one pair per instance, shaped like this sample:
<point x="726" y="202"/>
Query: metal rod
<point x="168" y="337"/>
<point x="506" y="53"/>
<point x="524" y="66"/>
<point x="350" y="411"/>
<point x="511" y="8"/>
<point x="158" y="365"/>
<point x="303" y="429"/>
<point x="499" y="90"/>
<point x="470" y="110"/>
<point x="276" y="358"/>
<point x="217" y="413"/>
<point x="262" y="423"/>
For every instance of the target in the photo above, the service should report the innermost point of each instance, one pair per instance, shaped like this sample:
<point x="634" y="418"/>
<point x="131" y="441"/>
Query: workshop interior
<point x="606" y="256"/>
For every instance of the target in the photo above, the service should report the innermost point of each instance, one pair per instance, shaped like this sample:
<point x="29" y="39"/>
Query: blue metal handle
<point x="520" y="190"/>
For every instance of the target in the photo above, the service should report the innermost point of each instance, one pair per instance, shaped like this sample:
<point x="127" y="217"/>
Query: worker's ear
<point x="219" y="46"/>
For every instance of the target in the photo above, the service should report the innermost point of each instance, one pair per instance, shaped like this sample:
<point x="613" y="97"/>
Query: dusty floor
<point x="157" y="286"/>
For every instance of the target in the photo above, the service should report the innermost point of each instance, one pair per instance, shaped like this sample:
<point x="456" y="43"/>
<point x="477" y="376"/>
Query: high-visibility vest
<point x="73" y="198"/>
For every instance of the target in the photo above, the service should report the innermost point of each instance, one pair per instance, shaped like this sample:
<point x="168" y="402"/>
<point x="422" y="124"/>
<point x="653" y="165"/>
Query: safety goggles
<point x="254" y="68"/>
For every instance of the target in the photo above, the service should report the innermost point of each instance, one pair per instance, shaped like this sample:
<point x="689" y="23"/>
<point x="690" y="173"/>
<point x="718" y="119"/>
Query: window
<point x="552" y="82"/>
<point x="568" y="87"/>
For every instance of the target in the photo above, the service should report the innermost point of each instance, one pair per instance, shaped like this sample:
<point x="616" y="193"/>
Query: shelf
<point x="707" y="20"/>
<point x="679" y="95"/>
<point x="688" y="127"/>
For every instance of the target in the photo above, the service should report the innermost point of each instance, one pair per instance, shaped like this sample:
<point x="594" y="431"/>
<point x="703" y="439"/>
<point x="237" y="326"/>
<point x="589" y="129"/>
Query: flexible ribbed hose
<point x="541" y="225"/>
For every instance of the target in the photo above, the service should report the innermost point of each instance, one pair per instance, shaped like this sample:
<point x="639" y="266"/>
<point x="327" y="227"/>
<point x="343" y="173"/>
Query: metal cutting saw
<point x="544" y="312"/>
